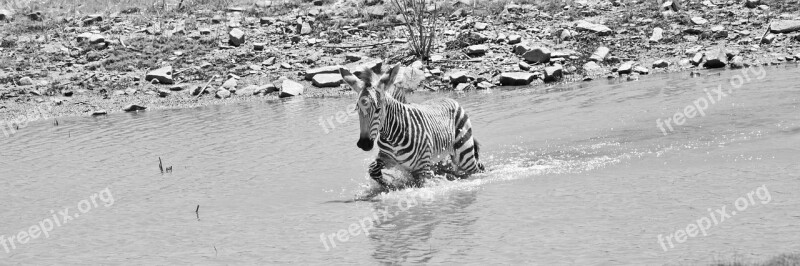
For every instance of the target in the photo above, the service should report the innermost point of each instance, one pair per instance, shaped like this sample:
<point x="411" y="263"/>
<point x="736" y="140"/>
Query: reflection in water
<point x="406" y="237"/>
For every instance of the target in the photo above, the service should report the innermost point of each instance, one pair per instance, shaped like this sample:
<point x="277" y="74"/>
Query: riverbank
<point x="80" y="61"/>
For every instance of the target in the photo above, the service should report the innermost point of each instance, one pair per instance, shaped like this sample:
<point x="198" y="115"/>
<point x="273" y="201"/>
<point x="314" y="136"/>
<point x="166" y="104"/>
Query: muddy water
<point x="578" y="174"/>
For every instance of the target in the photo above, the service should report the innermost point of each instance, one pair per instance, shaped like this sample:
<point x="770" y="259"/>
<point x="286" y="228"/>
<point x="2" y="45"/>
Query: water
<point x="578" y="174"/>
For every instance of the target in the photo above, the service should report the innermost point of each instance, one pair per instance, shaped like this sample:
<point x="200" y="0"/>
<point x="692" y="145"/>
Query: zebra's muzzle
<point x="365" y="144"/>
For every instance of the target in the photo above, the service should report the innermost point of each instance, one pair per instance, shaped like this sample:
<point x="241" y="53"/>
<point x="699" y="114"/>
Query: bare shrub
<point x="420" y="25"/>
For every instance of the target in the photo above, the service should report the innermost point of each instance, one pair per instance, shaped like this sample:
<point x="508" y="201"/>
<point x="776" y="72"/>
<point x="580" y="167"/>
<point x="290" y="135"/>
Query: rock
<point x="478" y="49"/>
<point x="697" y="58"/>
<point x="305" y="29"/>
<point x="670" y="5"/>
<point x="249" y="90"/>
<point x="205" y="31"/>
<point x="769" y="38"/>
<point x="327" y="80"/>
<point x="266" y="21"/>
<point x="524" y="66"/>
<point x="353" y="57"/>
<point x="133" y="108"/>
<point x="716" y="58"/>
<point x="626" y="68"/>
<point x="35" y="16"/>
<point x="376" y="11"/>
<point x="163" y="92"/>
<point x="596" y="28"/>
<point x="26" y="81"/>
<point x="223" y="94"/>
<point x="641" y="70"/>
<point x="600" y="54"/>
<point x="485" y="85"/>
<point x="96" y="38"/>
<point x="658" y="34"/>
<point x="553" y="73"/>
<point x="259" y="46"/>
<point x="459" y="77"/>
<point x="230" y="84"/>
<point x="236" y="37"/>
<point x="163" y="75"/>
<point x="752" y="3"/>
<point x="480" y="26"/>
<point x="592" y="68"/>
<point x="699" y="21"/>
<point x="216" y="19"/>
<point x="784" y="26"/>
<point x="267" y="88"/>
<point x="463" y="87"/>
<point x="514" y="39"/>
<point x="537" y="55"/>
<point x="317" y="2"/>
<point x="321" y="70"/>
<point x="660" y="64"/>
<point x="6" y="14"/>
<point x="99" y="112"/>
<point x="516" y="78"/>
<point x="737" y="62"/>
<point x="290" y="88"/>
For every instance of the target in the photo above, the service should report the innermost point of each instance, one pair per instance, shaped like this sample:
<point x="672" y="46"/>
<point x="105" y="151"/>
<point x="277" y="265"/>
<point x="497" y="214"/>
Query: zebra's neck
<point x="393" y="121"/>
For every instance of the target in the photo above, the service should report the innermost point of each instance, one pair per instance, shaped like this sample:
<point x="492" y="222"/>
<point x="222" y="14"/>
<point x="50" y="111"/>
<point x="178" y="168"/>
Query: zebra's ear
<point x="389" y="79"/>
<point x="351" y="79"/>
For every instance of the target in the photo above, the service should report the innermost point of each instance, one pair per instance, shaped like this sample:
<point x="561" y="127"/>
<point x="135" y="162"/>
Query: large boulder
<point x="163" y="75"/>
<point x="290" y="88"/>
<point x="236" y="37"/>
<point x="537" y="55"/>
<point x="321" y="70"/>
<point x="516" y="78"/>
<point x="592" y="27"/>
<point x="784" y="26"/>
<point x="327" y="80"/>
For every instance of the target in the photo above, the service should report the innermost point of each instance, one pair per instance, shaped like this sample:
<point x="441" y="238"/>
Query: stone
<point x="163" y="75"/>
<point x="259" y="46"/>
<point x="737" y="62"/>
<point x="321" y="70"/>
<point x="537" y="55"/>
<point x="716" y="58"/>
<point x="592" y="68"/>
<point x="516" y="78"/>
<point x="514" y="39"/>
<point x="553" y="73"/>
<point x="769" y="38"/>
<point x="485" y="85"/>
<point x="327" y="80"/>
<point x="266" y="21"/>
<point x="249" y="90"/>
<point x="592" y="27"/>
<point x="697" y="58"/>
<point x="317" y="2"/>
<point x="626" y="68"/>
<point x="133" y="108"/>
<point x="216" y="19"/>
<point x="163" y="92"/>
<point x="290" y="88"/>
<point x="478" y="49"/>
<point x="26" y="81"/>
<point x="236" y="37"/>
<point x="99" y="112"/>
<point x="6" y="14"/>
<point x="660" y="64"/>
<point x="267" y="88"/>
<point x="205" y="31"/>
<point x="353" y="57"/>
<point x="784" y="26"/>
<point x="752" y="3"/>
<point x="230" y="84"/>
<point x="699" y="21"/>
<point x="96" y="38"/>
<point x="305" y="28"/>
<point x="480" y="26"/>
<point x="463" y="87"/>
<point x="459" y="77"/>
<point x="524" y="66"/>
<point x="671" y="6"/>
<point x="223" y="93"/>
<point x="658" y="34"/>
<point x="600" y="54"/>
<point x="641" y="70"/>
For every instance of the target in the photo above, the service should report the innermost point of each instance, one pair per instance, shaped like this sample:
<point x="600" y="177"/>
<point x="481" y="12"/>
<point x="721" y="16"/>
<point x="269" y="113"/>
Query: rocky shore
<point x="173" y="56"/>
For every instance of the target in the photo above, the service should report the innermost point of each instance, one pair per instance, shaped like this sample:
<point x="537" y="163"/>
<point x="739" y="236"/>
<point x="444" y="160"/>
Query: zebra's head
<point x="372" y="84"/>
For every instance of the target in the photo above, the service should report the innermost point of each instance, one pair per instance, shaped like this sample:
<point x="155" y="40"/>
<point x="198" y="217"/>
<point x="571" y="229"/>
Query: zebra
<point x="411" y="137"/>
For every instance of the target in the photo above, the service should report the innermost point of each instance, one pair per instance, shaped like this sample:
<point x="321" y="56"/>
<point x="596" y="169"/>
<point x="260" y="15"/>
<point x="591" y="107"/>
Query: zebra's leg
<point x="420" y="175"/>
<point x="375" y="173"/>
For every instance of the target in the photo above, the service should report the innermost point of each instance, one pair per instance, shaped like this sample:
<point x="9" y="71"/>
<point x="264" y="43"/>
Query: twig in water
<point x="206" y="86"/>
<point x="197" y="212"/>
<point x="215" y="250"/>
<point x="160" y="166"/>
<point x="55" y="122"/>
